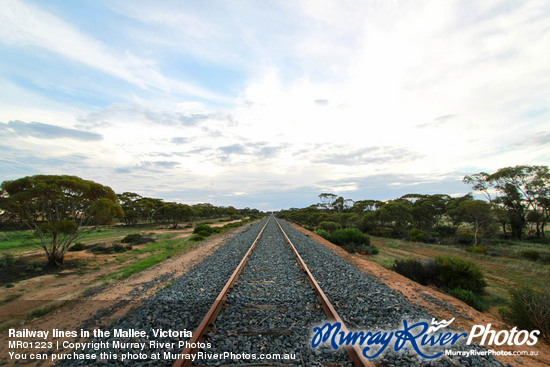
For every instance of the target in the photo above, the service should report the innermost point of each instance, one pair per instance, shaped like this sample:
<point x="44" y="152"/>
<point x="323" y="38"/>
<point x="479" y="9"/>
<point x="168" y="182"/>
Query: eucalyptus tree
<point x="176" y="213"/>
<point x="519" y="189"/>
<point x="59" y="209"/>
<point x="478" y="213"/>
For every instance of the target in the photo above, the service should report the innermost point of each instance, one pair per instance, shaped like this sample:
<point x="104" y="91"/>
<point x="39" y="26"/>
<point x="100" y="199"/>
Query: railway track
<point x="274" y="306"/>
<point x="271" y="309"/>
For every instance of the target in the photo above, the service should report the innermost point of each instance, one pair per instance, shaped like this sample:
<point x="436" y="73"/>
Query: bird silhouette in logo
<point x="439" y="325"/>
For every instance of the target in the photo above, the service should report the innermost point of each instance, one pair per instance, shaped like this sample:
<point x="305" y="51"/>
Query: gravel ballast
<point x="365" y="303"/>
<point x="181" y="306"/>
<point x="272" y="309"/>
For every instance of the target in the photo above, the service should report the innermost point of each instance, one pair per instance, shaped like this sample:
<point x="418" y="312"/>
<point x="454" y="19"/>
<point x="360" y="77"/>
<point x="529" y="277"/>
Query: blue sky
<point x="268" y="104"/>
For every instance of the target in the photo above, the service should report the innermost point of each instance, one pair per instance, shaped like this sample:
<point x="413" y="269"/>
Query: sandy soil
<point x="110" y="303"/>
<point x="66" y="285"/>
<point x="448" y="308"/>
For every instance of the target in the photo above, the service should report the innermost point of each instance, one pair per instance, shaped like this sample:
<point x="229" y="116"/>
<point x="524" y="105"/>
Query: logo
<point x="439" y="325"/>
<point x="419" y="336"/>
<point x="502" y="337"/>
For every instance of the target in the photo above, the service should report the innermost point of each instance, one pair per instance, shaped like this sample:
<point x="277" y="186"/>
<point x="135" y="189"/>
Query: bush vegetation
<point x="347" y="236"/>
<point x="532" y="255"/>
<point x="196" y="238"/>
<point x="352" y="240"/>
<point x="477" y="249"/>
<point x="7" y="260"/>
<point x="323" y="233"/>
<point x="465" y="238"/>
<point x="113" y="248"/>
<point x="204" y="230"/>
<point x="529" y="309"/>
<point x="421" y="272"/>
<point x="79" y="246"/>
<point x="468" y="297"/>
<point x="329" y="226"/>
<point x="460" y="278"/>
<point x="137" y="239"/>
<point x="454" y="272"/>
<point x="418" y="235"/>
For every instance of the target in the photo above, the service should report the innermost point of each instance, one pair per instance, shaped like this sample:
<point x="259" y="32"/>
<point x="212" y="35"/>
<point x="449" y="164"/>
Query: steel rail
<point x="213" y="312"/>
<point x="353" y="351"/>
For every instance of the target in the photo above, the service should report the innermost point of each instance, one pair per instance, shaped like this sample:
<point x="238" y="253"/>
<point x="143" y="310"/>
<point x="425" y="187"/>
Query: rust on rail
<point x="353" y="351"/>
<point x="213" y="312"/>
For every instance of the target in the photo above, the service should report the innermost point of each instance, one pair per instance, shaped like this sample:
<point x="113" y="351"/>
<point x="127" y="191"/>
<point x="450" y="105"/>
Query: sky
<point x="267" y="104"/>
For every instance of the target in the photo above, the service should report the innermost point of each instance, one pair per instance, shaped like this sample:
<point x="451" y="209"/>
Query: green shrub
<point x="42" y="311"/>
<point x="361" y="249"/>
<point x="421" y="272"/>
<point x="532" y="255"/>
<point x="231" y="225"/>
<point x="329" y="226"/>
<point x="418" y="235"/>
<point x="7" y="260"/>
<point x="353" y="240"/>
<point x="349" y="236"/>
<point x="445" y="231"/>
<point x="454" y="272"/>
<point x="323" y="233"/>
<point x="371" y="249"/>
<point x="468" y="297"/>
<point x="103" y="248"/>
<point x="202" y="229"/>
<point x="34" y="268"/>
<point x="477" y="249"/>
<point x="465" y="238"/>
<point x="79" y="246"/>
<point x="528" y="309"/>
<point x="196" y="238"/>
<point x="203" y="233"/>
<point x="131" y="238"/>
<point x="137" y="239"/>
<point x="118" y="247"/>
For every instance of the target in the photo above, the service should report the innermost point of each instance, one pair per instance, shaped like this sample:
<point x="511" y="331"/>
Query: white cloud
<point x="391" y="88"/>
<point x="24" y="25"/>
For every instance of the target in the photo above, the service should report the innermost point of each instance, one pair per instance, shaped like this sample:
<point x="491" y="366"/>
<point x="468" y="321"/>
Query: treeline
<point x="138" y="209"/>
<point x="129" y="208"/>
<point x="517" y="198"/>
<point x="61" y="208"/>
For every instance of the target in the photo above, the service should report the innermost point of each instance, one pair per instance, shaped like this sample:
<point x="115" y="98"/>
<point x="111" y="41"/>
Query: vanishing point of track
<point x="207" y="324"/>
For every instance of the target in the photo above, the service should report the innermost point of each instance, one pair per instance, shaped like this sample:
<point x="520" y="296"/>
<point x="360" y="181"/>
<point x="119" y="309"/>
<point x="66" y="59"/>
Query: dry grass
<point x="502" y="273"/>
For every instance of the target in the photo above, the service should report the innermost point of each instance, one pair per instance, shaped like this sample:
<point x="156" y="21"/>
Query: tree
<point x="370" y="221"/>
<point x="58" y="208"/>
<point x="427" y="210"/>
<point x="149" y="208"/>
<point x="521" y="189"/>
<point x="327" y="200"/>
<point x="176" y="213"/>
<point x="501" y="217"/>
<point x="362" y="206"/>
<point x="544" y="206"/>
<point x="129" y="203"/>
<point x="397" y="213"/>
<point x="477" y="212"/>
<point x="455" y="214"/>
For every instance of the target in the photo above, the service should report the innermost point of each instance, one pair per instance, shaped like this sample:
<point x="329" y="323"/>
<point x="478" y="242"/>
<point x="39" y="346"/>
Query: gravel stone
<point x="272" y="308"/>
